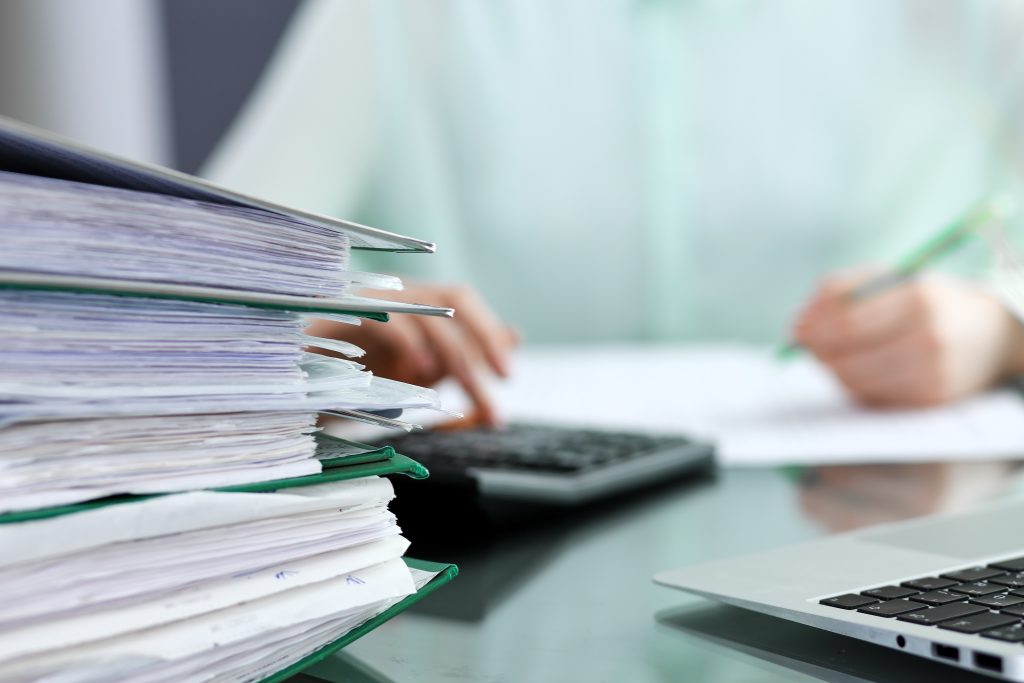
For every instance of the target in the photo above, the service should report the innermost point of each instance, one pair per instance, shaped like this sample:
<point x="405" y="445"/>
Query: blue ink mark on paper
<point x="284" y="574"/>
<point x="354" y="580"/>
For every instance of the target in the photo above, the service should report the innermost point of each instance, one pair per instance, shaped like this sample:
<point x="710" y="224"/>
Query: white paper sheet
<point x="63" y="462"/>
<point x="757" y="409"/>
<point x="365" y="588"/>
<point x="193" y="599"/>
<point x="29" y="541"/>
<point x="55" y="226"/>
<point x="66" y="356"/>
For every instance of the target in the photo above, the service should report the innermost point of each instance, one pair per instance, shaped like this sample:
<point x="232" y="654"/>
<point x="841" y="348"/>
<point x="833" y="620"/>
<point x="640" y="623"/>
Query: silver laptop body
<point x="789" y="582"/>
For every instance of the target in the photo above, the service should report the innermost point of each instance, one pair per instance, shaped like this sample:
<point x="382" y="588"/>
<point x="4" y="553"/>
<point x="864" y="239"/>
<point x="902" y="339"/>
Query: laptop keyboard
<point x="987" y="601"/>
<point x="532" y="448"/>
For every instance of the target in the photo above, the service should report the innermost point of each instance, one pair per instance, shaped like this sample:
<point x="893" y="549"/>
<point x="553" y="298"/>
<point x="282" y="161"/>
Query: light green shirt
<point x="633" y="169"/>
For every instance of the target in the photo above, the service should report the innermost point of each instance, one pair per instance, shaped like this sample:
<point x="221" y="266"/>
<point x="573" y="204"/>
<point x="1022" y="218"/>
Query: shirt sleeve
<point x="306" y="136"/>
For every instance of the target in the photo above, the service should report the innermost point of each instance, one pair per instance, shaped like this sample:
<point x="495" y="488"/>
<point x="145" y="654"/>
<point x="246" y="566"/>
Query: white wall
<point x="91" y="70"/>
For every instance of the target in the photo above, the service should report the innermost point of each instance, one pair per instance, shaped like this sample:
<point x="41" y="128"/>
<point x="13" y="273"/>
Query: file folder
<point x="325" y="530"/>
<point x="444" y="574"/>
<point x="337" y="470"/>
<point x="390" y="463"/>
<point x="34" y="151"/>
<point x="363" y="307"/>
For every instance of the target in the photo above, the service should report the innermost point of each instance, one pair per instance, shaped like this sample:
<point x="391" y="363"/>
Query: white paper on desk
<point x="758" y="410"/>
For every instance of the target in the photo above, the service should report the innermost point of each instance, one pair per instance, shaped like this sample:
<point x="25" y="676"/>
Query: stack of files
<point x="101" y="395"/>
<point x="202" y="585"/>
<point x="169" y="509"/>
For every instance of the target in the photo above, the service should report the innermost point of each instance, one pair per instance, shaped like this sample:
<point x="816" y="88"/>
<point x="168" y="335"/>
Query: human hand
<point x="423" y="349"/>
<point x="922" y="343"/>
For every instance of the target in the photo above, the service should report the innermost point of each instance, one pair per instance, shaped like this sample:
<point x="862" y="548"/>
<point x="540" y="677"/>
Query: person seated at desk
<point x="647" y="171"/>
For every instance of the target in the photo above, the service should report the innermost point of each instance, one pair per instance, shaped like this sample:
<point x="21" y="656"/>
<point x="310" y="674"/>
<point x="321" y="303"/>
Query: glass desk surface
<point x="568" y="596"/>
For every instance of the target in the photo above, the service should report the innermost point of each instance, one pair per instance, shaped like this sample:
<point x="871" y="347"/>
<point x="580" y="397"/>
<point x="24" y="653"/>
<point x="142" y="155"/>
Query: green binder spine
<point x="333" y="451"/>
<point x="398" y="464"/>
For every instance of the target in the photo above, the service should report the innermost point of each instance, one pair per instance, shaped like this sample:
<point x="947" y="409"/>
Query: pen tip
<point x="787" y="351"/>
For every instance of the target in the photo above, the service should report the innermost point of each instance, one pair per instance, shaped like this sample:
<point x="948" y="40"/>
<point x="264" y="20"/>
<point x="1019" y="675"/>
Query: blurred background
<point x="691" y="151"/>
<point x="155" y="80"/>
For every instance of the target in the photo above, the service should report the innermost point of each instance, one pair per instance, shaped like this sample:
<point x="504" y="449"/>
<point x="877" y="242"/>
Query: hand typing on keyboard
<point x="424" y="350"/>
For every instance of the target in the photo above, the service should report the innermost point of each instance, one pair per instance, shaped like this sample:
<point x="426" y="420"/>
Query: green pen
<point x="980" y="214"/>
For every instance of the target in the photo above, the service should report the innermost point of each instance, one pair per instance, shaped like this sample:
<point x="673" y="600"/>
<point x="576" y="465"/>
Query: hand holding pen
<point x="898" y="340"/>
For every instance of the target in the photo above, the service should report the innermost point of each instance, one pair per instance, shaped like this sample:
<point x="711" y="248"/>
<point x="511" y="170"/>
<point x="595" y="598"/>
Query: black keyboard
<point x="987" y="601"/>
<point x="533" y="448"/>
<point x="550" y="453"/>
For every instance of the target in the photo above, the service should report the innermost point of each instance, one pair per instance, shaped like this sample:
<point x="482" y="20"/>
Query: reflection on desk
<point x="341" y="667"/>
<point x="581" y="605"/>
<point x="843" y="498"/>
<point x="499" y="544"/>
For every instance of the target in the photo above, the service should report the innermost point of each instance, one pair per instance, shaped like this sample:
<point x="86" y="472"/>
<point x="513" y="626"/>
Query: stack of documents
<point x="77" y="355"/>
<point x="107" y="232"/>
<point x="247" y="584"/>
<point x="60" y="462"/>
<point x="152" y="341"/>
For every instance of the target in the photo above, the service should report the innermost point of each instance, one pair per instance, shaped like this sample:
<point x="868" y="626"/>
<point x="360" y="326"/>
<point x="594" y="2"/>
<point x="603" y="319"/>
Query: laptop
<point x="552" y="464"/>
<point x="949" y="588"/>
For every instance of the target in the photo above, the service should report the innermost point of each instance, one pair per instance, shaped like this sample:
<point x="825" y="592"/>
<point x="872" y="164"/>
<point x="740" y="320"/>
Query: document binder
<point x="444" y="574"/>
<point x="364" y="307"/>
<point x="388" y="463"/>
<point x="337" y="470"/>
<point x="33" y="151"/>
<point x="424" y="586"/>
<point x="333" y="451"/>
<point x="170" y="517"/>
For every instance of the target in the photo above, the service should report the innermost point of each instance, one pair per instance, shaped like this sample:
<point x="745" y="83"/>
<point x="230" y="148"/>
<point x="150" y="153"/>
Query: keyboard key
<point x="890" y="592"/>
<point x="1014" y="633"/>
<point x="939" y="597"/>
<point x="978" y="588"/>
<point x="935" y="615"/>
<point x="973" y="574"/>
<point x="1015" y="580"/>
<point x="1015" y="610"/>
<point x="848" y="601"/>
<point x="1014" y="565"/>
<point x="930" y="583"/>
<point x="978" y="622"/>
<point x="998" y="600"/>
<point x="891" y="608"/>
